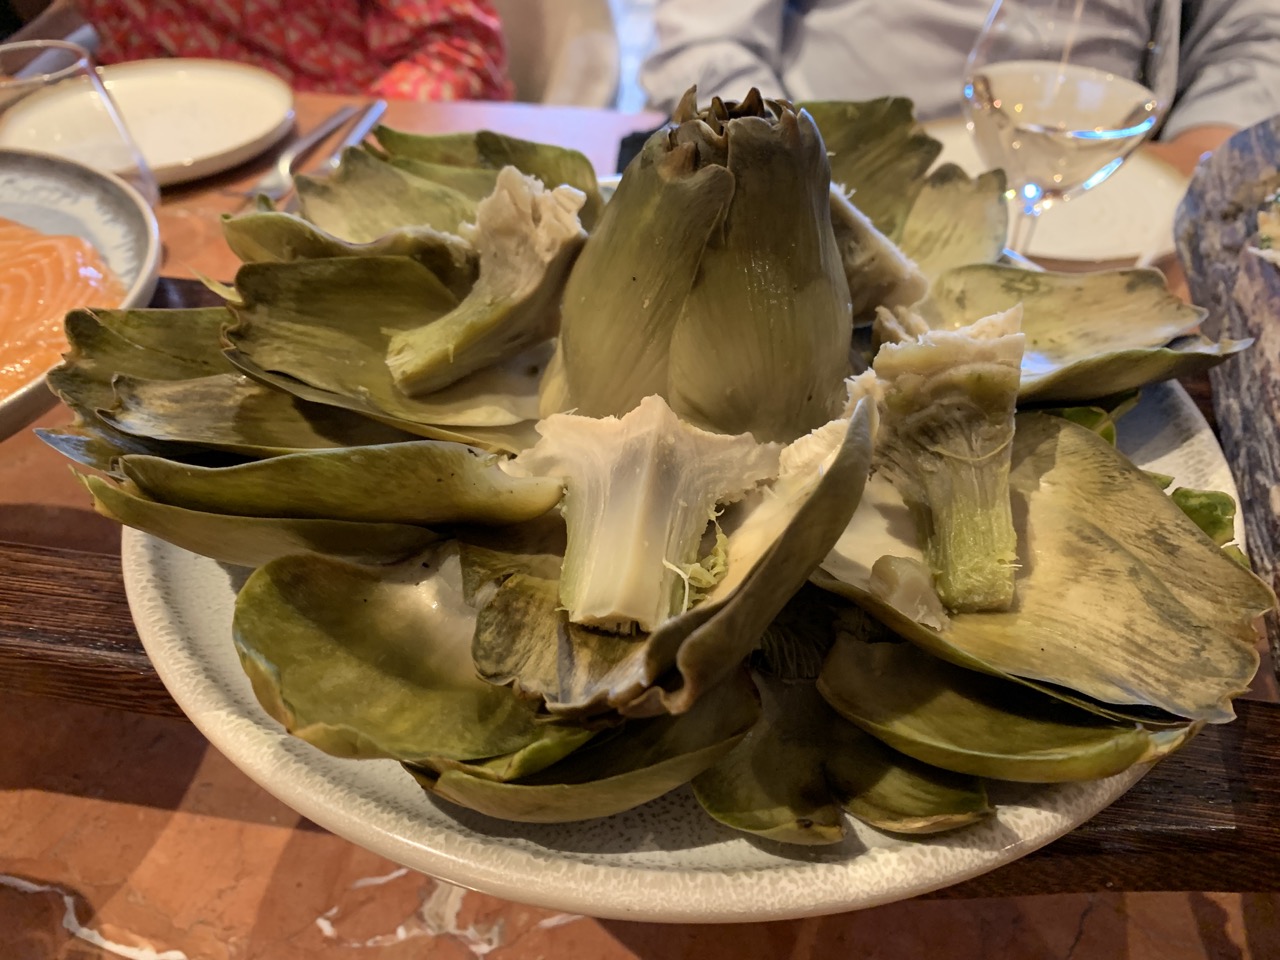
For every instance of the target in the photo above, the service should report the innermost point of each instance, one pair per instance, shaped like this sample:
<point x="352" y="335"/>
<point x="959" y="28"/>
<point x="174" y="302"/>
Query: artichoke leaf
<point x="622" y="300"/>
<point x="271" y="237"/>
<point x="969" y="722"/>
<point x="523" y="638"/>
<point x="553" y="165"/>
<point x="374" y="663"/>
<point x="1110" y="585"/>
<point x="1088" y="334"/>
<point x="254" y="541"/>
<point x="879" y="274"/>
<point x="419" y="482"/>
<point x="473" y="182"/>
<point x="527" y="238"/>
<point x="879" y="155"/>
<point x="618" y="770"/>
<point x="367" y="198"/>
<point x="556" y="741"/>
<point x="770" y="303"/>
<point x="791" y="776"/>
<point x="230" y="412"/>
<point x="297" y="332"/>
<point x="956" y="221"/>
<point x="775" y="541"/>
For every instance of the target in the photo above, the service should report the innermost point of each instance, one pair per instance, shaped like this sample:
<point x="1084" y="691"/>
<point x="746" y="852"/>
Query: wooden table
<point x="1206" y="819"/>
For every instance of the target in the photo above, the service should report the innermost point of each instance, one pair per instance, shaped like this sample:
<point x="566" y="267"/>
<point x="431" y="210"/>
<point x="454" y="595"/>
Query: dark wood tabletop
<point x="1206" y="818"/>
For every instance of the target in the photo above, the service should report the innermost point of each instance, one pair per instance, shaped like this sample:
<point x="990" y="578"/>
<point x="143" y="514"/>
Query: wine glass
<point x="53" y="101"/>
<point x="1059" y="92"/>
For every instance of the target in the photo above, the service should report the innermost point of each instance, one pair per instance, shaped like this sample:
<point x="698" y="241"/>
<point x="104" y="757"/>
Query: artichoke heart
<point x="640" y="493"/>
<point x="527" y="238"/>
<point x="949" y="408"/>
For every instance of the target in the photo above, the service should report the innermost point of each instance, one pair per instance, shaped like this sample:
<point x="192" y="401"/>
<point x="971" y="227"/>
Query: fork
<point x="278" y="181"/>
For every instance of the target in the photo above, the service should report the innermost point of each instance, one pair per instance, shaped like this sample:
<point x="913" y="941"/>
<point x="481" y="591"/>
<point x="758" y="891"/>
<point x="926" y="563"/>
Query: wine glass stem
<point x="1025" y="218"/>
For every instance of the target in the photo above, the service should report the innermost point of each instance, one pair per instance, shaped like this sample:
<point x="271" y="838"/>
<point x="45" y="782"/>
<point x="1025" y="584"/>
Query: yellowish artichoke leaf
<point x="956" y="221"/>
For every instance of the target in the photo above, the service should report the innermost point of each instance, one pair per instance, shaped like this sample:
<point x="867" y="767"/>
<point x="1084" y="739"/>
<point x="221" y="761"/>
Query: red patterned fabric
<point x="407" y="49"/>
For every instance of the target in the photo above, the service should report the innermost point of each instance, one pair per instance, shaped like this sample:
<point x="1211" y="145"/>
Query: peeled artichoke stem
<point x="971" y="546"/>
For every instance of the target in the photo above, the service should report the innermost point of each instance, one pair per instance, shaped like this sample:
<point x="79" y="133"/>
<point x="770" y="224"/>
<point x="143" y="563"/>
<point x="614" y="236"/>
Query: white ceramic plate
<point x="1126" y="217"/>
<point x="191" y="118"/>
<point x="664" y="861"/>
<point x="58" y="196"/>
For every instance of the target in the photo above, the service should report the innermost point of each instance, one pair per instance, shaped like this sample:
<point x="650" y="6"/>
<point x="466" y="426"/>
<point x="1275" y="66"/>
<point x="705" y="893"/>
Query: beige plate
<point x="664" y="861"/>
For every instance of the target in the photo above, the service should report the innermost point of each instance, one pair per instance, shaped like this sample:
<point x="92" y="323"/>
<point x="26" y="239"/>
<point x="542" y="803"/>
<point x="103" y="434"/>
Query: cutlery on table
<point x="361" y="128"/>
<point x="278" y="181"/>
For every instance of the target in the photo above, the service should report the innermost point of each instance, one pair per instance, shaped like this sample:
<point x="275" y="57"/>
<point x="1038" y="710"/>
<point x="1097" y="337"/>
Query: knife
<point x="278" y="181"/>
<point x="365" y="121"/>
<point x="362" y="127"/>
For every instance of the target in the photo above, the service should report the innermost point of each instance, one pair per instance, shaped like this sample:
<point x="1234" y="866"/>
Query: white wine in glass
<point x="1059" y="100"/>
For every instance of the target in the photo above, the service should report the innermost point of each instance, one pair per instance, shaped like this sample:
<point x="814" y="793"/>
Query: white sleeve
<point x="724" y="48"/>
<point x="1229" y="71"/>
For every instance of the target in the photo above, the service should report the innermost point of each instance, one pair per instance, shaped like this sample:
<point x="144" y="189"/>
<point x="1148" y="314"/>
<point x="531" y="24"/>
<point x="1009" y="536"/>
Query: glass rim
<point x="82" y="63"/>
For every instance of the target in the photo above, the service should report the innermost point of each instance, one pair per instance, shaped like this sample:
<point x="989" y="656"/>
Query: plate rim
<point x="204" y="165"/>
<point x="729" y="895"/>
<point x="34" y="398"/>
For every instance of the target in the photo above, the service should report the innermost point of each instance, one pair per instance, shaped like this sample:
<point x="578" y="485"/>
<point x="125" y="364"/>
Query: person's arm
<point x="724" y="48"/>
<point x="1229" y="72"/>
<point x="438" y="50"/>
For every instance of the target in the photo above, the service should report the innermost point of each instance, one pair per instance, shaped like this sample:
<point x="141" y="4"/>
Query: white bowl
<point x="62" y="197"/>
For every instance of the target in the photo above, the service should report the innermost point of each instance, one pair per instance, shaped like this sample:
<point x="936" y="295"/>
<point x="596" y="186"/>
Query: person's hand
<point x="1187" y="149"/>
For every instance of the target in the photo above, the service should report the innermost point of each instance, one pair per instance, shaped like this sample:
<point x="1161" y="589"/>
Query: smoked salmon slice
<point x="42" y="277"/>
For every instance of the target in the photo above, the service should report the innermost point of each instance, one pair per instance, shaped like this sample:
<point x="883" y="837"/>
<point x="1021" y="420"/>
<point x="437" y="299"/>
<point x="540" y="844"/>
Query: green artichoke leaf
<point x="107" y="344"/>
<point x="523" y="638"/>
<point x="879" y="155"/>
<point x="948" y="412"/>
<point x="254" y="541"/>
<point x="375" y="663"/>
<point x="270" y="237"/>
<point x="790" y="777"/>
<point x="1088" y="334"/>
<point x="956" y="221"/>
<point x="367" y="198"/>
<point x="230" y="412"/>
<point x="553" y="165"/>
<point x="618" y="770"/>
<point x="527" y="238"/>
<point x="1111" y="578"/>
<point x="297" y="332"/>
<point x="630" y="282"/>
<point x="1100" y="418"/>
<point x="419" y="482"/>
<point x="770" y="303"/>
<point x="969" y="722"/>
<point x="1212" y="511"/>
<point x="473" y="182"/>
<point x="556" y="742"/>
<point x="879" y="274"/>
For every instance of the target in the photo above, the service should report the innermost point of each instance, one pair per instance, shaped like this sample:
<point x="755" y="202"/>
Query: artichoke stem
<point x="971" y="544"/>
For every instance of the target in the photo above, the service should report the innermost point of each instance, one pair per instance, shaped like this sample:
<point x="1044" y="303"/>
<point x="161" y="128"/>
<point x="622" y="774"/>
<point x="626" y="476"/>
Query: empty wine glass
<point x="1059" y="92"/>
<point x="52" y="100"/>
